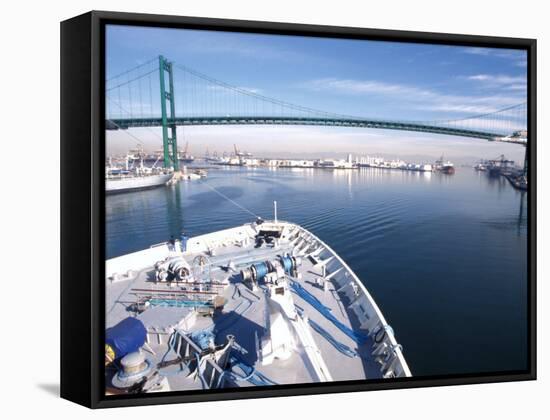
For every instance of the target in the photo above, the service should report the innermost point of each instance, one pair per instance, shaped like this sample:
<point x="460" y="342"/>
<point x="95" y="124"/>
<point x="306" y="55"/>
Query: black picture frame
<point x="82" y="205"/>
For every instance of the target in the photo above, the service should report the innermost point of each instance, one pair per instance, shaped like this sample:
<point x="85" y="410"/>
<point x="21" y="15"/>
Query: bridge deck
<point x="125" y="123"/>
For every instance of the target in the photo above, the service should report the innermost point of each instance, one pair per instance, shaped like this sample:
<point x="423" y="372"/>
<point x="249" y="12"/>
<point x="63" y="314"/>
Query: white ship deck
<point x="246" y="312"/>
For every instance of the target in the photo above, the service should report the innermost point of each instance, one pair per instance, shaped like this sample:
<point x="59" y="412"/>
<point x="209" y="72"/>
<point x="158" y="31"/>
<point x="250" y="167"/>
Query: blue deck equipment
<point x="286" y="262"/>
<point x="261" y="270"/>
<point x="357" y="336"/>
<point x="126" y="337"/>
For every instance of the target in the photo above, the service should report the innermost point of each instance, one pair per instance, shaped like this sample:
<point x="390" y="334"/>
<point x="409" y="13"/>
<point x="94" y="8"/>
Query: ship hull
<point x="121" y="185"/>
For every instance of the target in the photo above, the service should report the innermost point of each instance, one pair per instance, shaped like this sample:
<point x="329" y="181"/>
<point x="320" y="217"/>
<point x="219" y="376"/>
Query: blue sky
<point x="363" y="78"/>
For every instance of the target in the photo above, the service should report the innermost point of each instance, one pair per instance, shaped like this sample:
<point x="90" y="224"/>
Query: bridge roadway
<point x="125" y="123"/>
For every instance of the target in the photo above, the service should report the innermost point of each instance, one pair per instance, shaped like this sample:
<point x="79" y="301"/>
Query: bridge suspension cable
<point x="258" y="96"/>
<point x="133" y="69"/>
<point x="128" y="113"/>
<point x="134" y="92"/>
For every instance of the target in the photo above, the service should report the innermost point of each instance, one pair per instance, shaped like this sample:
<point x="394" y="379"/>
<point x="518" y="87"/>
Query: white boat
<point x="264" y="303"/>
<point x="192" y="175"/>
<point x="134" y="177"/>
<point x="131" y="182"/>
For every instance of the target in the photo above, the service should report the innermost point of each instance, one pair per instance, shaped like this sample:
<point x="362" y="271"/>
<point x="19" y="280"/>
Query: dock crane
<point x="238" y="153"/>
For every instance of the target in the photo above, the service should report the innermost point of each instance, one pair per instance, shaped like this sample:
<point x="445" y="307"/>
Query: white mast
<point x="275" y="210"/>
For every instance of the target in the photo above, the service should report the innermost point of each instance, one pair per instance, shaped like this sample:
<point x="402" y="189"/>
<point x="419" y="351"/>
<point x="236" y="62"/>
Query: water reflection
<point x="522" y="218"/>
<point x="174" y="213"/>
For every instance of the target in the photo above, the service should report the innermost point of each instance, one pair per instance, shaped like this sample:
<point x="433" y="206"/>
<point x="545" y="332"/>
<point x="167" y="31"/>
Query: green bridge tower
<point x="169" y="137"/>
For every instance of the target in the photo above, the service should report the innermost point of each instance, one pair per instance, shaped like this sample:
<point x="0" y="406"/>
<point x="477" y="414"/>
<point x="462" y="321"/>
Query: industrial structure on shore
<point x="248" y="160"/>
<point x="504" y="167"/>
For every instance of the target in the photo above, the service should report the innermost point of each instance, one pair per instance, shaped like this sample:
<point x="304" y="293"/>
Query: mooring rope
<point x="230" y="200"/>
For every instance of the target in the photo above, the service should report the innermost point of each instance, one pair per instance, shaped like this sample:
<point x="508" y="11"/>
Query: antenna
<point x="275" y="210"/>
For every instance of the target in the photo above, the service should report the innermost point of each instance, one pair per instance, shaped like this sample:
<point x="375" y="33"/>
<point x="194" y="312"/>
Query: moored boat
<point x="133" y="177"/>
<point x="133" y="182"/>
<point x="443" y="166"/>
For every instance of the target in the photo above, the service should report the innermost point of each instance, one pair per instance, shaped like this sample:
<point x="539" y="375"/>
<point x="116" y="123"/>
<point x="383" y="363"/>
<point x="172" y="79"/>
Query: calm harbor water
<point x="444" y="256"/>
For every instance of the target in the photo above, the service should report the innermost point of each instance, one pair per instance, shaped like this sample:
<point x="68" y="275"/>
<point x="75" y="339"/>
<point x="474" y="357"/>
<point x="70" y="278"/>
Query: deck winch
<point x="172" y="269"/>
<point x="134" y="371"/>
<point x="275" y="269"/>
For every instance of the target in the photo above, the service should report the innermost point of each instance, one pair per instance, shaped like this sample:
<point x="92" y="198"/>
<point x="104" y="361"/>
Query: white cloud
<point x="519" y="57"/>
<point x="499" y="80"/>
<point x="495" y="52"/>
<point x="518" y="86"/>
<point x="363" y="86"/>
<point x="419" y="98"/>
<point x="219" y="88"/>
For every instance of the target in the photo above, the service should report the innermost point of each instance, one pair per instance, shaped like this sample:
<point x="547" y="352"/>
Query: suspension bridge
<point x="161" y="93"/>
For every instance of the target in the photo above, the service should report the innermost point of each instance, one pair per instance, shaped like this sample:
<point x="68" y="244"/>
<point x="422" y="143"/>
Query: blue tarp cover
<point x="126" y="337"/>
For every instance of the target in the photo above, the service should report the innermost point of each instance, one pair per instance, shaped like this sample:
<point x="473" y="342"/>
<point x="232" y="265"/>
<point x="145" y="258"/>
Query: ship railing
<point x="158" y="245"/>
<point x="385" y="348"/>
<point x="393" y="361"/>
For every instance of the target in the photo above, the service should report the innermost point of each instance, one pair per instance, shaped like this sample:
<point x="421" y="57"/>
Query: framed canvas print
<point x="255" y="209"/>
